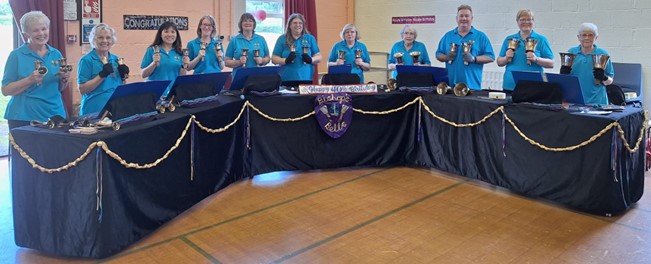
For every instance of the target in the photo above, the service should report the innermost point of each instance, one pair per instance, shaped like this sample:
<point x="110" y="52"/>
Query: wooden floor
<point x="387" y="215"/>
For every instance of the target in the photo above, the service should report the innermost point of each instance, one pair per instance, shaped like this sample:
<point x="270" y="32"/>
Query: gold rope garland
<point x="278" y="119"/>
<point x="639" y="139"/>
<point x="570" y="148"/>
<point x="491" y="114"/>
<point x="420" y="100"/>
<point x="223" y="129"/>
<point x="43" y="169"/>
<point x="117" y="157"/>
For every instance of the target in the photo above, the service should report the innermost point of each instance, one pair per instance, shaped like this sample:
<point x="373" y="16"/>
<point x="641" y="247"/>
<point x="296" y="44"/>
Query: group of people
<point x="36" y="94"/>
<point x="465" y="50"/>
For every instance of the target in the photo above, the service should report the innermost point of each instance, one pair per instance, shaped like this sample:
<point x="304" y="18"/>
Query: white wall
<point x="624" y="28"/>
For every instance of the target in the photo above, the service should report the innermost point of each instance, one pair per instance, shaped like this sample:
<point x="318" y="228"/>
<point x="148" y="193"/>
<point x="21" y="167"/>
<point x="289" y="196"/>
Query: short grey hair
<point x="31" y="18"/>
<point x="408" y="27"/>
<point x="349" y="27"/>
<point x="96" y="29"/>
<point x="589" y="27"/>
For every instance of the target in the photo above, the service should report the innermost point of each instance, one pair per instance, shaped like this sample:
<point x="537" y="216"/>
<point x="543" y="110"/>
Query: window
<point x="270" y="18"/>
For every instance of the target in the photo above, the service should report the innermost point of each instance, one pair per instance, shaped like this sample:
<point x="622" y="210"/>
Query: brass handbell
<point x="467" y="47"/>
<point x="453" y="50"/>
<point x="256" y="50"/>
<point x="156" y="49"/>
<point x="530" y="46"/>
<point x="599" y="61"/>
<point x="392" y="84"/>
<point x="443" y="88"/>
<point x="306" y="47"/>
<point x="398" y="56"/>
<point x="292" y="48"/>
<point x="121" y="62"/>
<point x="415" y="56"/>
<point x="341" y="54"/>
<point x="567" y="59"/>
<point x="513" y="45"/>
<point x="202" y="46"/>
<point x="358" y="53"/>
<point x="186" y="53"/>
<point x="104" y="60"/>
<point x="38" y="66"/>
<point x="461" y="89"/>
<point x="63" y="64"/>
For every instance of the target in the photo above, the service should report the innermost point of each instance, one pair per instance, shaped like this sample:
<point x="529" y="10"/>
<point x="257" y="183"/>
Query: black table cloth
<point x="101" y="204"/>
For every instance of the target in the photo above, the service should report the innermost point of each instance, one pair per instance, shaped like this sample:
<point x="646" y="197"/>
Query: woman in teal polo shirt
<point x="299" y="66"/>
<point x="164" y="59"/>
<point x="35" y="94"/>
<point x="99" y="74"/>
<point x="210" y="59"/>
<point x="249" y="41"/>
<point x="350" y="47"/>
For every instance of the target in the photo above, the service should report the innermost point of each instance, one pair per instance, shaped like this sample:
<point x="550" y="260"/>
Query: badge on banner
<point x="334" y="112"/>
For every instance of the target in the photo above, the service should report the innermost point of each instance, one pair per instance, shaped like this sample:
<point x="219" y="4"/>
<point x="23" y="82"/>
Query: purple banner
<point x="334" y="112"/>
<point x="413" y="20"/>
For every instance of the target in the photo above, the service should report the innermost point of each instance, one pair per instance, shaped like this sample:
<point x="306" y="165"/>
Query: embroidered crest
<point x="334" y="112"/>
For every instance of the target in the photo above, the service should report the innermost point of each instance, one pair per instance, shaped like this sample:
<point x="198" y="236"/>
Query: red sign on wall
<point x="413" y="20"/>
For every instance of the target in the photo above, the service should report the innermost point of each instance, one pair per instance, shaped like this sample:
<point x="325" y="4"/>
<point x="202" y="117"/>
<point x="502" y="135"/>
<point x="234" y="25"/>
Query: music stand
<point x="527" y="76"/>
<point x="340" y="69"/>
<point x="133" y="98"/>
<point x="188" y="87"/>
<point x="243" y="73"/>
<point x="437" y="74"/>
<point x="570" y="87"/>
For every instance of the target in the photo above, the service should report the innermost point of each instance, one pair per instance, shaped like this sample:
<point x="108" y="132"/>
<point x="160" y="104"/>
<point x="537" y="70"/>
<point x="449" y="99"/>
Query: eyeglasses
<point x="525" y="20"/>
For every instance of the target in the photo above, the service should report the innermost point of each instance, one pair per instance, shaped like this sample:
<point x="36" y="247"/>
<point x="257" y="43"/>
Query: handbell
<point x="467" y="47"/>
<point x="599" y="61"/>
<point x="42" y="70"/>
<point x="245" y="52"/>
<point x="443" y="88"/>
<point x="415" y="56"/>
<point x="121" y="62"/>
<point x="104" y="60"/>
<point x="186" y="54"/>
<point x="513" y="45"/>
<point x="461" y="89"/>
<point x="398" y="56"/>
<point x="256" y="50"/>
<point x="38" y="66"/>
<point x="341" y="55"/>
<point x="567" y="59"/>
<point x="392" y="84"/>
<point x="306" y="47"/>
<point x="202" y="46"/>
<point x="358" y="53"/>
<point x="453" y="50"/>
<point x="63" y="64"/>
<point x="292" y="48"/>
<point x="530" y="46"/>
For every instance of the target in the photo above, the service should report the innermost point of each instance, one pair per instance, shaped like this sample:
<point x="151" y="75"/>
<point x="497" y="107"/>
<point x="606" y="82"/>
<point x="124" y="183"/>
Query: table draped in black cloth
<point x="101" y="201"/>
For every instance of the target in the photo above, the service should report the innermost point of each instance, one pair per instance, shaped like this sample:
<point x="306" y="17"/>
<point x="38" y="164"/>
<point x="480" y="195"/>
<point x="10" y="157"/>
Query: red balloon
<point x="260" y="15"/>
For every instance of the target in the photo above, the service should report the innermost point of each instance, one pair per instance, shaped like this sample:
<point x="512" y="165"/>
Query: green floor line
<point x="368" y="222"/>
<point x="246" y="214"/>
<point x="200" y="250"/>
